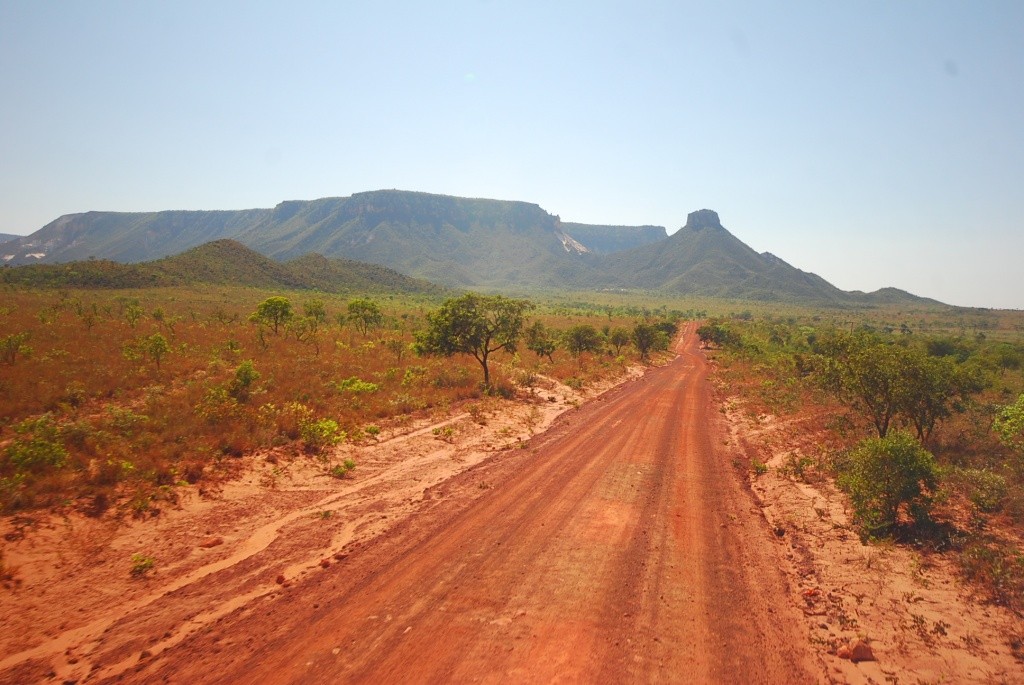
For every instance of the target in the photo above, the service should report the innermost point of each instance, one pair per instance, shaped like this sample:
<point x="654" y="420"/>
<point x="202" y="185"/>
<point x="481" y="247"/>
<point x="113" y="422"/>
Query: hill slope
<point x="703" y="258"/>
<point x="220" y="262"/>
<point x="127" y="236"/>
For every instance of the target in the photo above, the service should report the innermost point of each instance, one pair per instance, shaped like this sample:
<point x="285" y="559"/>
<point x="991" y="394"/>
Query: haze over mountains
<point x="456" y="242"/>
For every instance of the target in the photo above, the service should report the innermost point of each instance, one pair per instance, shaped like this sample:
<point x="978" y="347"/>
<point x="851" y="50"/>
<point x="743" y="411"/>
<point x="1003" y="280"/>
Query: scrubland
<point x="111" y="401"/>
<point x="916" y="418"/>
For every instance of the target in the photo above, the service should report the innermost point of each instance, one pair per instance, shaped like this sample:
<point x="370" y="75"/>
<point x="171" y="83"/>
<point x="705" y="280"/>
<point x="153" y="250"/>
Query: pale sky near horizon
<point x="873" y="143"/>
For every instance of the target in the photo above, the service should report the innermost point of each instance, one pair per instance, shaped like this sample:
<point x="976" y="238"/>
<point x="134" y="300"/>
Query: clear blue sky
<point x="874" y="143"/>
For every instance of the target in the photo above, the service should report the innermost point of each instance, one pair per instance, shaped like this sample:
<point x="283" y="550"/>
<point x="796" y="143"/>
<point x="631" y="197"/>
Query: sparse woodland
<point x="920" y="420"/>
<point x="111" y="401"/>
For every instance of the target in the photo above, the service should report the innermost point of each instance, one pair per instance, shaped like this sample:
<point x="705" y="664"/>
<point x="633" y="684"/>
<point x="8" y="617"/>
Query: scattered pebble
<point x="856" y="650"/>
<point x="861" y="651"/>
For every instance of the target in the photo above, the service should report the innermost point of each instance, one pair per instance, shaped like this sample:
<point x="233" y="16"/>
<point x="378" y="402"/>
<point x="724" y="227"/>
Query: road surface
<point x="619" y="546"/>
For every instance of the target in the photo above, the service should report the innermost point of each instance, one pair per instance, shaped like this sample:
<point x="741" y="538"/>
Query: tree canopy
<point x="365" y="314"/>
<point x="581" y="338"/>
<point x="885" y="379"/>
<point x="541" y="340"/>
<point x="647" y="337"/>
<point x="474" y="324"/>
<point x="273" y="312"/>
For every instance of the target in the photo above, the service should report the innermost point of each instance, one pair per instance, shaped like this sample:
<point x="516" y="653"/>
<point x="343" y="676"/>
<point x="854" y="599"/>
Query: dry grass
<point x="92" y="418"/>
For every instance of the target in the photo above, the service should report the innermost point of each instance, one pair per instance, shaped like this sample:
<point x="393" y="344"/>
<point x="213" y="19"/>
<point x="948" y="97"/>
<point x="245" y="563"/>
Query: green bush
<point x="320" y="434"/>
<point x="38" y="447"/>
<point x="241" y="385"/>
<point x="986" y="489"/>
<point x="141" y="565"/>
<point x="341" y="470"/>
<point x="356" y="386"/>
<point x="883" y="474"/>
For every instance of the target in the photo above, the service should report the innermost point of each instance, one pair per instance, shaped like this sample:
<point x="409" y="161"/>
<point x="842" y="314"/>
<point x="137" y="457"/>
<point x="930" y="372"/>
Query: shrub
<point x="882" y="475"/>
<point x="446" y="433"/>
<point x="986" y="489"/>
<point x="413" y="375"/>
<point x="1009" y="424"/>
<point x="39" y="446"/>
<point x="356" y="386"/>
<point x="12" y="346"/>
<point x="320" y="434"/>
<point x="245" y="376"/>
<point x="125" y="421"/>
<point x="342" y="469"/>
<point x="998" y="567"/>
<point x="142" y="564"/>
<point x="217" y="405"/>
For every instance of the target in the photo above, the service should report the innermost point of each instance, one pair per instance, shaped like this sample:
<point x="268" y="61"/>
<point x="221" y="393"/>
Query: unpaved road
<point x="620" y="546"/>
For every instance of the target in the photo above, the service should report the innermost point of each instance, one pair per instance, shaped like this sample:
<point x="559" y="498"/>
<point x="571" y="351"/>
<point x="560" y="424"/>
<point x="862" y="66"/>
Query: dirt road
<point x="619" y="546"/>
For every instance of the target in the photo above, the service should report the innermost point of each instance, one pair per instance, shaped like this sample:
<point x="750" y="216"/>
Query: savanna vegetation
<point x="117" y="399"/>
<point x="921" y="419"/>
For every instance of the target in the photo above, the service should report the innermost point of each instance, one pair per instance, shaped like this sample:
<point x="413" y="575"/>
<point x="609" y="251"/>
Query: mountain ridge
<point x="458" y="243"/>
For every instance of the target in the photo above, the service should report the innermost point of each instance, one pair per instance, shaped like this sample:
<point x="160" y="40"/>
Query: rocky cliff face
<point x="702" y="218"/>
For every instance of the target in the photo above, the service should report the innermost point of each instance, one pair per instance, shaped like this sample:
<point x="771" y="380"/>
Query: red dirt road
<point x="620" y="546"/>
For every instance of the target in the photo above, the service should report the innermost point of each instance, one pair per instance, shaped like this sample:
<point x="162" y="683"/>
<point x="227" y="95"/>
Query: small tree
<point x="273" y="312"/>
<point x="315" y="311"/>
<point x="318" y="435"/>
<point x="717" y="333"/>
<point x="132" y="313"/>
<point x="581" y="338"/>
<point x="884" y="474"/>
<point x="869" y="375"/>
<point x="156" y="348"/>
<point x="541" y="340"/>
<point x="397" y="347"/>
<point x="13" y="346"/>
<point x="364" y="314"/>
<point x="647" y="337"/>
<point x="618" y="338"/>
<point x="935" y="387"/>
<point x="474" y="324"/>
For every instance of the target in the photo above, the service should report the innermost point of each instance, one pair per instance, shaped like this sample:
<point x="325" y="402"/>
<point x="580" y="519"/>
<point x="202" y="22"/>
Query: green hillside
<point x="221" y="262"/>
<point x="129" y="236"/>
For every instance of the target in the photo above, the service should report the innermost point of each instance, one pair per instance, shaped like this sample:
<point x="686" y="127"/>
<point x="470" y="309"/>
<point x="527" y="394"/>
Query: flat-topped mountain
<point x="453" y="241"/>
